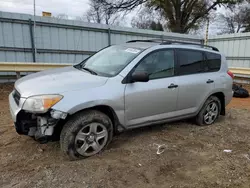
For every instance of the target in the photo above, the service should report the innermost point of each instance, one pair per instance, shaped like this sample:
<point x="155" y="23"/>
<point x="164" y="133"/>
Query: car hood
<point x="57" y="81"/>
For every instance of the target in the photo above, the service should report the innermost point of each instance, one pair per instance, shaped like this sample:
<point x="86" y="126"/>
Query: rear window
<point x="213" y="62"/>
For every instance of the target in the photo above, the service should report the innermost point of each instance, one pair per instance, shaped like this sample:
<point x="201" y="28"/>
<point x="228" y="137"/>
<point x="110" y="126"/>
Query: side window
<point x="213" y="62"/>
<point x="159" y="64"/>
<point x="191" y="62"/>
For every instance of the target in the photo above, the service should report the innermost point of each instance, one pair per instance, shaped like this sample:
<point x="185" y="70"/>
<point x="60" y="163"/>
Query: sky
<point x="72" y="8"/>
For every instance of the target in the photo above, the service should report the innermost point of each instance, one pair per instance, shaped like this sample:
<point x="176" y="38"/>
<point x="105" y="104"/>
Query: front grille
<point x="16" y="96"/>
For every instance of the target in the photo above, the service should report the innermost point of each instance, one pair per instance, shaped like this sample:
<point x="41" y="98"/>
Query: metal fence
<point x="236" y="47"/>
<point x="64" y="41"/>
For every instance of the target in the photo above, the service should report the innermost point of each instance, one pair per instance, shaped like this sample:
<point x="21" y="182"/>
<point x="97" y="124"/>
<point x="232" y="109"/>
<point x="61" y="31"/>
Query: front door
<point x="155" y="99"/>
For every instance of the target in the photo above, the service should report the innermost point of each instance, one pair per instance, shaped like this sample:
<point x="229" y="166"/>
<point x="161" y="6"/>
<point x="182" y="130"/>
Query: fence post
<point x="109" y="36"/>
<point x="18" y="75"/>
<point x="162" y="38"/>
<point x="32" y="41"/>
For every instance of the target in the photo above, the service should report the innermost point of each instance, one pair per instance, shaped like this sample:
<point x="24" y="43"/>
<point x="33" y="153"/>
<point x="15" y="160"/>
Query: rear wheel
<point x="209" y="112"/>
<point x="86" y="134"/>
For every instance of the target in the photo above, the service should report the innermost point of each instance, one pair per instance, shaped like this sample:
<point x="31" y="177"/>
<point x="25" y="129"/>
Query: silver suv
<point x="121" y="87"/>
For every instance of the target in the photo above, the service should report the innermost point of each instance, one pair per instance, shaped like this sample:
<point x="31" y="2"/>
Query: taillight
<point x="230" y="74"/>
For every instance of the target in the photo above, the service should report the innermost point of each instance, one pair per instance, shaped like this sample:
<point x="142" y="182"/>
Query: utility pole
<point x="34" y="29"/>
<point x="207" y="30"/>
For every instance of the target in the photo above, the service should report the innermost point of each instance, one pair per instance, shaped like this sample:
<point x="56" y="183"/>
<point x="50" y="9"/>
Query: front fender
<point x="79" y="100"/>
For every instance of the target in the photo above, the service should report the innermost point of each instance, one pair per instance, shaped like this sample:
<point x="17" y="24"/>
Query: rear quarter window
<point x="213" y="62"/>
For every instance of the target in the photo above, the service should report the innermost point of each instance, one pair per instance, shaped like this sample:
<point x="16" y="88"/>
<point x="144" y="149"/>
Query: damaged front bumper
<point x="39" y="126"/>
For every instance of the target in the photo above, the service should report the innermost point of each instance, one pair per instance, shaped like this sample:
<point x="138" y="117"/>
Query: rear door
<point x="194" y="82"/>
<point x="213" y="66"/>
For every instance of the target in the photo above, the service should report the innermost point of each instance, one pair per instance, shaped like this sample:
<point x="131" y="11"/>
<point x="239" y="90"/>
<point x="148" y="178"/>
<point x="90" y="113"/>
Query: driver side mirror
<point x="140" y="77"/>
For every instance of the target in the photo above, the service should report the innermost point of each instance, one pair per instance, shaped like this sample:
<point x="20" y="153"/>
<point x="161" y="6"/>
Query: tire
<point x="204" y="117"/>
<point x="86" y="134"/>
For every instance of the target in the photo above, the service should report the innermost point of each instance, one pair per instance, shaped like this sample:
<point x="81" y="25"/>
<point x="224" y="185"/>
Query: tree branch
<point x="122" y="5"/>
<point x="200" y="15"/>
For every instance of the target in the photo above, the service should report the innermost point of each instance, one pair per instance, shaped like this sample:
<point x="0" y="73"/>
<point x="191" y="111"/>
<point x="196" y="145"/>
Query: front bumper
<point x="14" y="108"/>
<point x="37" y="125"/>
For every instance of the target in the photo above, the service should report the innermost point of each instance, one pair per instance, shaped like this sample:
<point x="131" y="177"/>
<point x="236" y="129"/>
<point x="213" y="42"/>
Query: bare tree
<point x="147" y="19"/>
<point x="95" y="13"/>
<point x="247" y="29"/>
<point x="98" y="13"/>
<point x="235" y="19"/>
<point x="62" y="16"/>
<point x="181" y="15"/>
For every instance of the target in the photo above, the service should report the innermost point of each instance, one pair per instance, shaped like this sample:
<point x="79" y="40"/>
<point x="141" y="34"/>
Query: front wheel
<point x="86" y="134"/>
<point x="209" y="112"/>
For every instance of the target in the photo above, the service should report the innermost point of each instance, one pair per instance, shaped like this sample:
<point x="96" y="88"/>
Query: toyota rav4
<point x="121" y="87"/>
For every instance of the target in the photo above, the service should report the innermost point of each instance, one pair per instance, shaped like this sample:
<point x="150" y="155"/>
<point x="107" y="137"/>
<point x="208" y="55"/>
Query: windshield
<point x="110" y="61"/>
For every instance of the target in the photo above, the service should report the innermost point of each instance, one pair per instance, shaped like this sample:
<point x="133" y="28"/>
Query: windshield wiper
<point x="89" y="70"/>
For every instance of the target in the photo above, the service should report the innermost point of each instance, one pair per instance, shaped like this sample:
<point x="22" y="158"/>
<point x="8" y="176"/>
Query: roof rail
<point x="189" y="43"/>
<point x="148" y="40"/>
<point x="165" y="42"/>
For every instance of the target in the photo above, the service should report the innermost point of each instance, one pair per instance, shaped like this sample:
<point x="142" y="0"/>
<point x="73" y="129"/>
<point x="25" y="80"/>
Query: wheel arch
<point x="220" y="95"/>
<point x="107" y="110"/>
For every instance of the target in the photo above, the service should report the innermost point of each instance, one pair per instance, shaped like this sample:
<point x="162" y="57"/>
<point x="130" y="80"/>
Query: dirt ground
<point x="194" y="156"/>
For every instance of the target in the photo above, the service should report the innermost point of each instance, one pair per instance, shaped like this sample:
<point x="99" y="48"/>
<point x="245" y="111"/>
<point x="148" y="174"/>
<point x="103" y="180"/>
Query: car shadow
<point x="122" y="137"/>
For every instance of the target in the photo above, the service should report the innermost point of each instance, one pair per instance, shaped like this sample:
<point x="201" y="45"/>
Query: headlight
<point x="41" y="103"/>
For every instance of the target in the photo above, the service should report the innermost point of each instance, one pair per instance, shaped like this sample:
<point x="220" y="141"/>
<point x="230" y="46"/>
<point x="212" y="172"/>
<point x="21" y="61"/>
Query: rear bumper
<point x="228" y="97"/>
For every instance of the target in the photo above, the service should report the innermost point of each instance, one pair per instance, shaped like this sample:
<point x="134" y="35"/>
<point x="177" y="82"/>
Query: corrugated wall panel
<point x="77" y="39"/>
<point x="71" y="58"/>
<point x="26" y="36"/>
<point x="11" y="56"/>
<point x="38" y="37"/>
<point x="40" y="57"/>
<point x="20" y="56"/>
<point x="3" y="56"/>
<point x="1" y="34"/>
<point x="8" y="35"/>
<point x="247" y="48"/>
<point x="47" y="57"/>
<point x="242" y="47"/>
<point x="230" y="50"/>
<point x="70" y="39"/>
<point x="63" y="41"/>
<point x="236" y="48"/>
<point x="247" y="63"/>
<point x="28" y="57"/>
<point x="54" y="38"/>
<point x="55" y="58"/>
<point x="17" y="35"/>
<point x="45" y="36"/>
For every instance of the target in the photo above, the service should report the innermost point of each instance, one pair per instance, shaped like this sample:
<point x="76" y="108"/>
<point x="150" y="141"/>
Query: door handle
<point x="172" y="86"/>
<point x="210" y="81"/>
